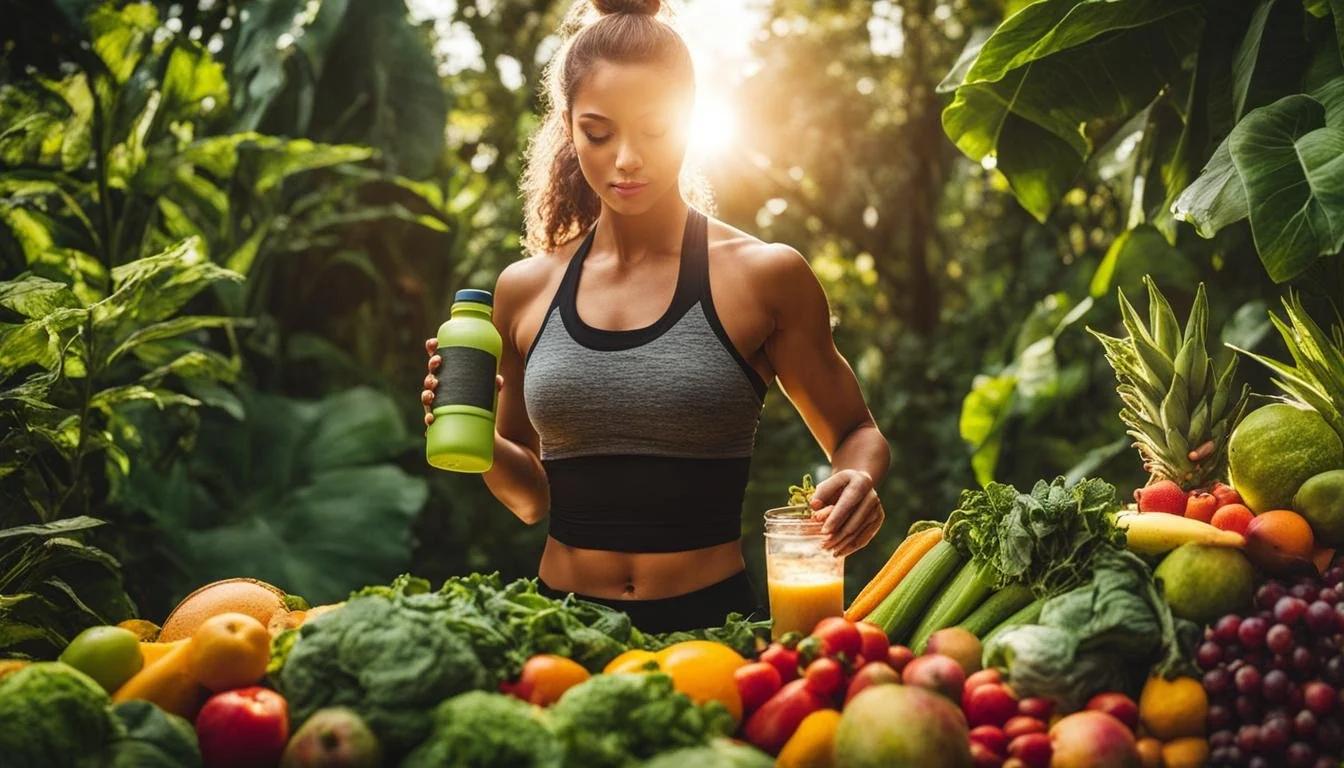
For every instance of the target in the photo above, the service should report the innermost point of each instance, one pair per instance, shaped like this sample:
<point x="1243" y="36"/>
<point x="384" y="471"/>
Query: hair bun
<point x="643" y="7"/>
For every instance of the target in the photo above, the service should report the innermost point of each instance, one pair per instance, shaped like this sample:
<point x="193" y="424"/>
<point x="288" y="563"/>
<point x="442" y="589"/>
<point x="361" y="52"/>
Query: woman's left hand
<point x="848" y="503"/>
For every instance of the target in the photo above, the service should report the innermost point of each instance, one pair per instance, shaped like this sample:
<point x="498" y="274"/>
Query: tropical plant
<point x="1252" y="93"/>
<point x="52" y="585"/>
<point x="1316" y="379"/>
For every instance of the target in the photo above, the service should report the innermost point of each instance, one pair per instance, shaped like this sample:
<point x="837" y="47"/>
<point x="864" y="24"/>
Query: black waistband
<point x="705" y="607"/>
<point x="646" y="503"/>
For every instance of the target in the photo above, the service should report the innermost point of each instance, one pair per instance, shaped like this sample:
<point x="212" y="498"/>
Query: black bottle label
<point x="466" y="377"/>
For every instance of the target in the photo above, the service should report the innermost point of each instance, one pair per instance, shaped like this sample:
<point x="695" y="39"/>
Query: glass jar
<point x="806" y="582"/>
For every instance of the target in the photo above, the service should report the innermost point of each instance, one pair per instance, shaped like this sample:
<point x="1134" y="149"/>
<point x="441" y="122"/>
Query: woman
<point x="639" y="340"/>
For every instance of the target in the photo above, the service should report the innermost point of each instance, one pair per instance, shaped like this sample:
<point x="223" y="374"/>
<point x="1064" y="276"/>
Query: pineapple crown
<point x="1178" y="402"/>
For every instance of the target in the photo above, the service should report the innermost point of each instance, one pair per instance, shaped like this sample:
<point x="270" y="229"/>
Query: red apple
<point x="243" y="728"/>
<point x="1117" y="705"/>
<point x="937" y="673"/>
<point x="872" y="673"/>
<point x="1092" y="739"/>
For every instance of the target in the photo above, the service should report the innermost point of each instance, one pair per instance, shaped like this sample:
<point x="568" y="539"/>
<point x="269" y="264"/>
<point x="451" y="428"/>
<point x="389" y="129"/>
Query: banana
<point x="1155" y="533"/>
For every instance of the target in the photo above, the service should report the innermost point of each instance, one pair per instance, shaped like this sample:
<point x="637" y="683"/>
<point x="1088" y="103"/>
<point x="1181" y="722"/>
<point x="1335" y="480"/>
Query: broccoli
<point x="615" y="721"/>
<point x="388" y="657"/>
<point x="487" y="730"/>
<point x="57" y="717"/>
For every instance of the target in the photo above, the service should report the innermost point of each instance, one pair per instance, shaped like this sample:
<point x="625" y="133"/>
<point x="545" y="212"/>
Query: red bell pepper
<point x="771" y="726"/>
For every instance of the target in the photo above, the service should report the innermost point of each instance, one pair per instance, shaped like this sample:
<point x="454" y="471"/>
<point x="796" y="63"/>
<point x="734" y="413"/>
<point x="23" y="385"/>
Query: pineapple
<point x="1317" y="378"/>
<point x="1178" y="405"/>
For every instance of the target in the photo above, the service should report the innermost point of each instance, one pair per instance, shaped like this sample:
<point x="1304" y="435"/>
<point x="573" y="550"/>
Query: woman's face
<point x="629" y="131"/>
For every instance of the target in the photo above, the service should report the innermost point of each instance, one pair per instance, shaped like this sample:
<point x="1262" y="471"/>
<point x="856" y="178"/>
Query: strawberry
<point x="1162" y="496"/>
<point x="1226" y="494"/>
<point x="1201" y="506"/>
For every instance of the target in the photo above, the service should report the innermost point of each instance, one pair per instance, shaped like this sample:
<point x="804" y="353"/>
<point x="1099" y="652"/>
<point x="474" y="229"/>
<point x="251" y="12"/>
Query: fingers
<point x="429" y="418"/>
<point x="431" y="345"/>
<point x="872" y="516"/>
<point x="856" y="518"/>
<point x="433" y="364"/>
<point x="850" y="499"/>
<point x="499" y="382"/>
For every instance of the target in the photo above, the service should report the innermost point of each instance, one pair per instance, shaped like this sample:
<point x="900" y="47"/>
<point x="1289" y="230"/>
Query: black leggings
<point x="706" y="607"/>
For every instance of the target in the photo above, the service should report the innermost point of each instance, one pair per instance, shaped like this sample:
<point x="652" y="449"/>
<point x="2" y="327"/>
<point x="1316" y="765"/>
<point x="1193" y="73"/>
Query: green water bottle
<point x="462" y="437"/>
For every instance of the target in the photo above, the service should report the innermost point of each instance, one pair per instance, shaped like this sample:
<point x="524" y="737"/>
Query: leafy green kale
<point x="386" y="655"/>
<point x="616" y="721"/>
<point x="55" y="715"/>
<point x="487" y="730"/>
<point x="1106" y="635"/>
<point x="1046" y="539"/>
<point x="748" y="638"/>
<point x="148" y="737"/>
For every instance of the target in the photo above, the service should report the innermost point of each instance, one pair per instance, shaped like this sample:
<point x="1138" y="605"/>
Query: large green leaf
<point x="983" y="415"/>
<point x="1292" y="167"/>
<point x="298" y="494"/>
<point x="1055" y="77"/>
<point x="122" y="36"/>
<point x="36" y="297"/>
<point x="154" y="288"/>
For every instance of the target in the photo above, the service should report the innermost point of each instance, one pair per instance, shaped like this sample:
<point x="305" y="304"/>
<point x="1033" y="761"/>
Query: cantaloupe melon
<point x="255" y="598"/>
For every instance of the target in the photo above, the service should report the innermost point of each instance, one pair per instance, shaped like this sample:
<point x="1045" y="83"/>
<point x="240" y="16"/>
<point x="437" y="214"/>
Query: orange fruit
<point x="1189" y="752"/>
<point x="1287" y="531"/>
<point x="229" y="651"/>
<point x="255" y="598"/>
<point x="1150" y="752"/>
<point x="703" y="670"/>
<point x="1171" y="709"/>
<point x="546" y="677"/>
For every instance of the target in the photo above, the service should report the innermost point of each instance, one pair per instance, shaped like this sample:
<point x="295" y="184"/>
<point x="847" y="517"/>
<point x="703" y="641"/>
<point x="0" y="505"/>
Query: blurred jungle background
<point x="226" y="229"/>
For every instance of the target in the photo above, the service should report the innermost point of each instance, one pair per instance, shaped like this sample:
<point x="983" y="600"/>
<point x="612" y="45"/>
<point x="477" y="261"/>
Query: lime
<point x="109" y="655"/>
<point x="1321" y="501"/>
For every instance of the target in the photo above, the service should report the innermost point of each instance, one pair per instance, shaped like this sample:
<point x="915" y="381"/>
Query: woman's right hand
<point x="432" y="381"/>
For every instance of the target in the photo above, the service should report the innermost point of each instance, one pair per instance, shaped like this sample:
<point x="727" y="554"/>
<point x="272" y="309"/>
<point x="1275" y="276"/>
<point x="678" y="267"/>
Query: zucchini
<point x="997" y="609"/>
<point x="900" y="610"/>
<point x="1029" y="614"/>
<point x="967" y="590"/>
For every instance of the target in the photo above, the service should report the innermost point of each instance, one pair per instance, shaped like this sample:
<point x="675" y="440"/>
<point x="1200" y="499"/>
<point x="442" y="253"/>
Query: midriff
<point x="636" y="575"/>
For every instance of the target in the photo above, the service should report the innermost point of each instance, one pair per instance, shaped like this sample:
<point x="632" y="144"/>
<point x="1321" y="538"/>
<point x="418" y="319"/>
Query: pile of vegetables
<point x="999" y="553"/>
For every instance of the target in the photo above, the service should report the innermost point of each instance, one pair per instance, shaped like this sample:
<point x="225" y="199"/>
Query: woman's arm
<point x="821" y="385"/>
<point x="516" y="478"/>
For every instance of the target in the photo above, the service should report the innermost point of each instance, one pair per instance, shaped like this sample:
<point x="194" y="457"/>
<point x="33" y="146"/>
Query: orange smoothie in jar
<point x="806" y="582"/>
<point x="799" y="603"/>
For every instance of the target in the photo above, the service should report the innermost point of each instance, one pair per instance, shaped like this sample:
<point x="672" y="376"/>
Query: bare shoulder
<point x="777" y="269"/>
<point x="532" y="277"/>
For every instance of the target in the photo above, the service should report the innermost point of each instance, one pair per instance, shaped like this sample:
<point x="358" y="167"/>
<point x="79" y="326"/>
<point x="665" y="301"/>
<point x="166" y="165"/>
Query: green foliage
<point x="1057" y="81"/>
<point x="1316" y="379"/>
<point x="299" y="493"/>
<point x="52" y="586"/>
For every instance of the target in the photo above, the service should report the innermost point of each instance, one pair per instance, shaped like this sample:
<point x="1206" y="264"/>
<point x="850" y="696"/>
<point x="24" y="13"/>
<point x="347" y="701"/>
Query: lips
<point x="628" y="188"/>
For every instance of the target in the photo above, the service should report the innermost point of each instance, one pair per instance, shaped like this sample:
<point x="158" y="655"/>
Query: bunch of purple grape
<point x="1275" y="678"/>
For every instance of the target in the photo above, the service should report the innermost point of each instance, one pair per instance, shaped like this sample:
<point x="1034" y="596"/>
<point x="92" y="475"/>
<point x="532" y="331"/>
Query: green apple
<point x="109" y="655"/>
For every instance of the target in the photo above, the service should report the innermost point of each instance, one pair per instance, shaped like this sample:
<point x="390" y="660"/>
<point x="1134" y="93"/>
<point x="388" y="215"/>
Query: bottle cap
<point x="472" y="294"/>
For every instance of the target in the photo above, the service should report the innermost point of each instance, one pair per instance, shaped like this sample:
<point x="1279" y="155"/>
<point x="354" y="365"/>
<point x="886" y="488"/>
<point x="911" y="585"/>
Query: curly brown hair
<point x="558" y="204"/>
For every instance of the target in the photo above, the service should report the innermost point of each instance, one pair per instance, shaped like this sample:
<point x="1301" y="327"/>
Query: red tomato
<point x="990" y="704"/>
<point x="783" y="659"/>
<point x="824" y="677"/>
<point x="756" y="683"/>
<point x="242" y="728"/>
<point x="875" y="642"/>
<point x="839" y="635"/>
<point x="898" y="656"/>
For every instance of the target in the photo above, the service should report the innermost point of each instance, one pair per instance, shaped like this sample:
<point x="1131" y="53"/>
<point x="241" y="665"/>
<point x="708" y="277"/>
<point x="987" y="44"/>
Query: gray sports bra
<point x="646" y="434"/>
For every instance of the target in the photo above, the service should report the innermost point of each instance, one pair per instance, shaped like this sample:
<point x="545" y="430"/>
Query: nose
<point x="628" y="159"/>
